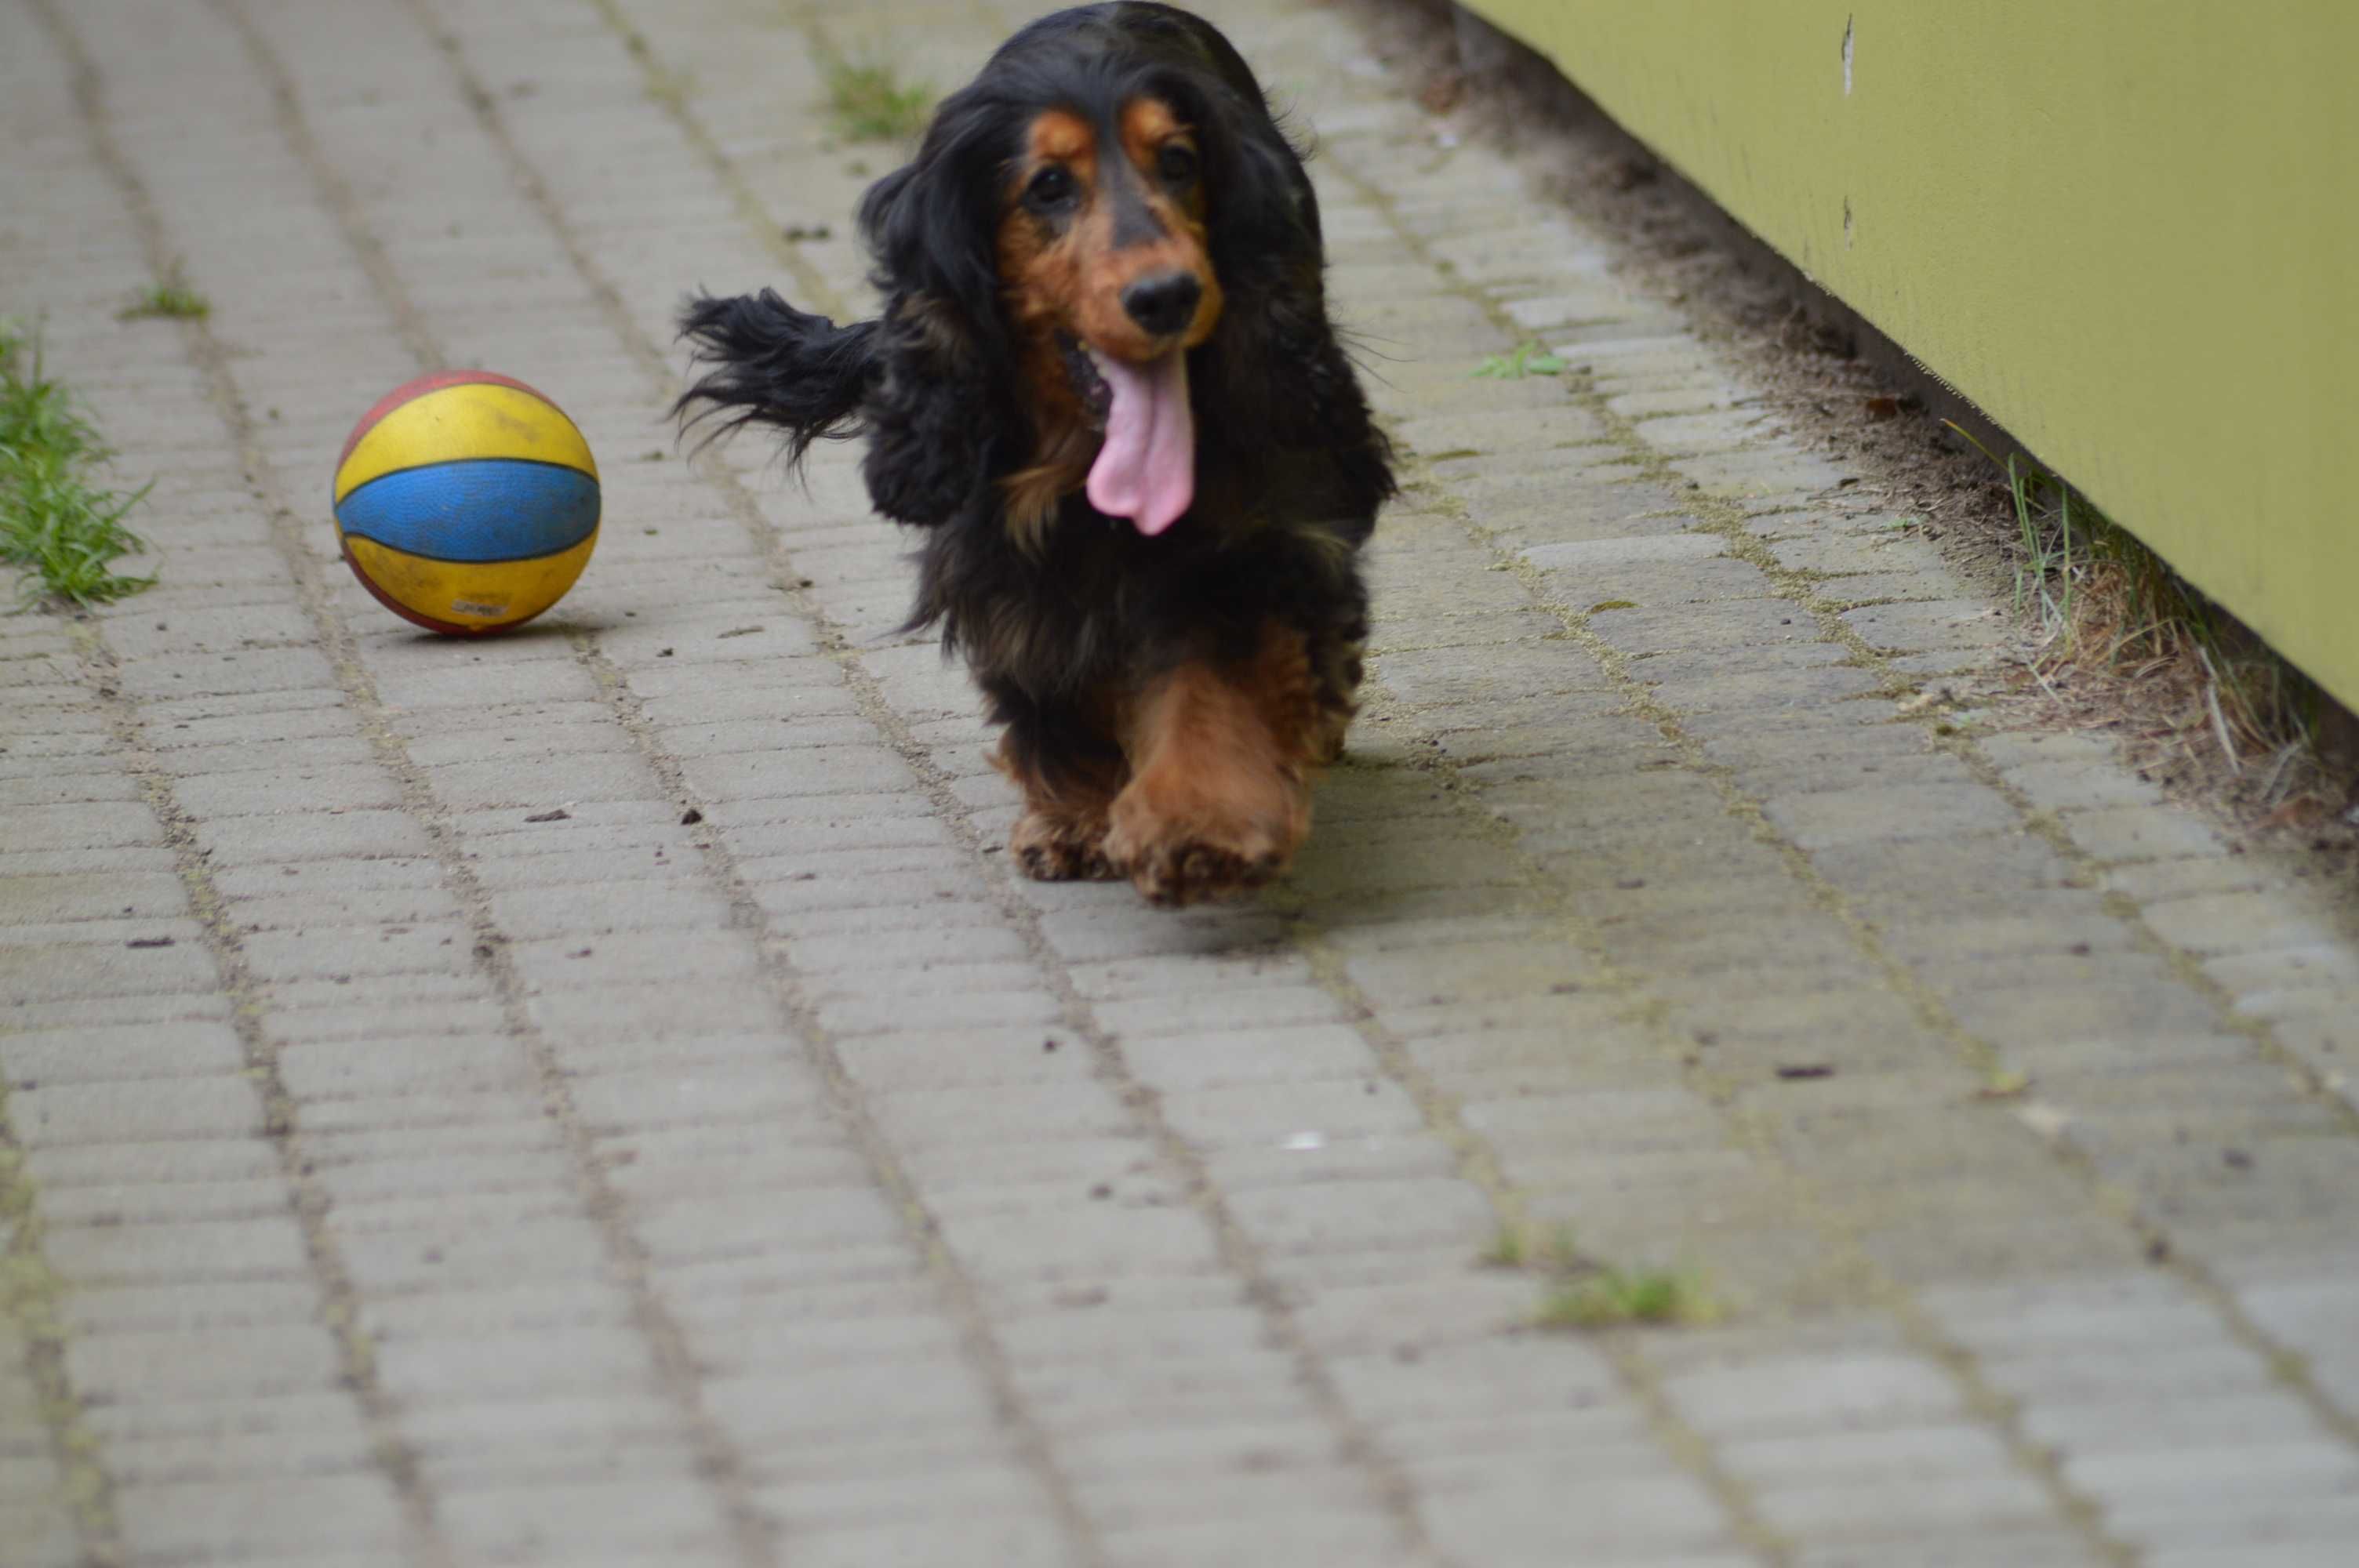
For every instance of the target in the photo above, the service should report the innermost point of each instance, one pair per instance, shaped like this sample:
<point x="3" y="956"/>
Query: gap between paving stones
<point x="1238" y="1251"/>
<point x="1726" y="521"/>
<point x="676" y="1372"/>
<point x="29" y="1292"/>
<point x="331" y="1275"/>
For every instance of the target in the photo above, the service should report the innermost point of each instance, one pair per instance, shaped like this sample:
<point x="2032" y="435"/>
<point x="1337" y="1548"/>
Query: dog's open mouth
<point x="1082" y="369"/>
<point x="1146" y="469"/>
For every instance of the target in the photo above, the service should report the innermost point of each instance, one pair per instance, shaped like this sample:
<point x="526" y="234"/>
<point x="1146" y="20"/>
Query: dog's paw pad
<point x="1050" y="850"/>
<point x="1175" y="874"/>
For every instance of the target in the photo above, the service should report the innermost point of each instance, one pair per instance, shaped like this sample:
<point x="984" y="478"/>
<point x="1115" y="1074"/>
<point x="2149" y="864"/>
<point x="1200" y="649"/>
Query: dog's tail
<point x="773" y="364"/>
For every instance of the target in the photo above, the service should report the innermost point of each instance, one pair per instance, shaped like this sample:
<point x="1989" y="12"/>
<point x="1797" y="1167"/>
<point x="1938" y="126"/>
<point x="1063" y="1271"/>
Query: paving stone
<point x="1942" y="624"/>
<point x="1884" y="813"/>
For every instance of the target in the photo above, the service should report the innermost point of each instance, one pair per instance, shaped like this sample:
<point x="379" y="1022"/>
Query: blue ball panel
<point x="481" y="509"/>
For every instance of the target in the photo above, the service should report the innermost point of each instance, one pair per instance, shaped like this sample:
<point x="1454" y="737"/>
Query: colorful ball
<point x="466" y="502"/>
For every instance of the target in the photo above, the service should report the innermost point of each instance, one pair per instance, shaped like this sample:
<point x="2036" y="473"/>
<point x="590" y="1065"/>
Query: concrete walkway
<point x="391" y="1175"/>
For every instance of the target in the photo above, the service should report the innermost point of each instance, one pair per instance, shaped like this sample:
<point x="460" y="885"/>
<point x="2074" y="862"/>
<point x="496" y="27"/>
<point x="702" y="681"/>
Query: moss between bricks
<point x="31" y="1297"/>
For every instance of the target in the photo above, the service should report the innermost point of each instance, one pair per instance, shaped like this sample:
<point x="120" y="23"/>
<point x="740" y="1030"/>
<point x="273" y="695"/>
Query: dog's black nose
<point x="1164" y="303"/>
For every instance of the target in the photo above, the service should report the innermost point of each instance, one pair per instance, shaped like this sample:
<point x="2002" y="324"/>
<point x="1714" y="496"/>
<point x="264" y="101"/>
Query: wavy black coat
<point x="1290" y="469"/>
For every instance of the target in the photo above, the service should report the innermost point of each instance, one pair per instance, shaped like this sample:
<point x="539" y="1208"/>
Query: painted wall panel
<point x="2128" y="228"/>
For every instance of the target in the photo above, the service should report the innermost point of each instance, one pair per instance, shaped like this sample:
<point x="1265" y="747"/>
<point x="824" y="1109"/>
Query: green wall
<point x="2128" y="228"/>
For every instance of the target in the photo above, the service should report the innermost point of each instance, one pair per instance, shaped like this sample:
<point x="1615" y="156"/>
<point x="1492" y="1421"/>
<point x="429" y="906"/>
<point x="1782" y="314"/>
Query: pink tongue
<point x="1147" y="470"/>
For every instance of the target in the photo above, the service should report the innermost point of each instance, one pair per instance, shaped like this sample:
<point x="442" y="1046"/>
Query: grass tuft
<point x="56" y="526"/>
<point x="1582" y="1292"/>
<point x="870" y="102"/>
<point x="170" y="300"/>
<point x="1606" y="1298"/>
<point x="1529" y="359"/>
<point x="2099" y="600"/>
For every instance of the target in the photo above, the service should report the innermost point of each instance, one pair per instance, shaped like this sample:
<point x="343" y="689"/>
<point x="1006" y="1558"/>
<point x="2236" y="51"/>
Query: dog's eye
<point x="1177" y="162"/>
<point x="1052" y="187"/>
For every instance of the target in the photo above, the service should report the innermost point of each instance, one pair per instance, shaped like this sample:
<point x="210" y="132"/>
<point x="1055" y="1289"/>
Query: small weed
<point x="2005" y="1083"/>
<point x="870" y="102"/>
<point x="1608" y="1297"/>
<point x="1584" y="1293"/>
<point x="1516" y="1247"/>
<point x="1506" y="1250"/>
<point x="54" y="527"/>
<point x="170" y="300"/>
<point x="669" y="88"/>
<point x="1529" y="359"/>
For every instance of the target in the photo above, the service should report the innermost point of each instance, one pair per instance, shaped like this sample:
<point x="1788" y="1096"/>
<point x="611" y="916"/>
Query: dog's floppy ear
<point x="768" y="362"/>
<point x="1274" y="363"/>
<point x="937" y="415"/>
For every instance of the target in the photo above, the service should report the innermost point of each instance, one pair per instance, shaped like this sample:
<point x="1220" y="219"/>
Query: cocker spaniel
<point x="1104" y="386"/>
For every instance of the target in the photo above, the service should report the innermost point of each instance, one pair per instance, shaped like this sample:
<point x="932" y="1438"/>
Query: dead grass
<point x="2119" y="641"/>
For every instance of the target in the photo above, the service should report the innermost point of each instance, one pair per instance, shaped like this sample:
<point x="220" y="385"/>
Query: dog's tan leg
<point x="1221" y="761"/>
<point x="1061" y="835"/>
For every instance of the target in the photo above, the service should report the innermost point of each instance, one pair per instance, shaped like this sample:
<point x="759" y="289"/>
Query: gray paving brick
<point x="290" y="789"/>
<point x="154" y="1202"/>
<point x="195" y="1362"/>
<point x="194" y="1049"/>
<point x="344" y="953"/>
<point x="1798" y="1396"/>
<point x="156" y="1108"/>
<point x="329" y="835"/>
<point x="94" y="825"/>
<point x="260" y="1249"/>
<point x="2141" y="833"/>
<point x="244" y="673"/>
<point x="1879" y="814"/>
<point x="308" y="1518"/>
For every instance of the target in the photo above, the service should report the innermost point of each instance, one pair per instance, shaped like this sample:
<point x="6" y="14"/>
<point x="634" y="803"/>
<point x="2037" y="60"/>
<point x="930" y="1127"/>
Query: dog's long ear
<point x="941" y="405"/>
<point x="770" y="363"/>
<point x="1275" y="363"/>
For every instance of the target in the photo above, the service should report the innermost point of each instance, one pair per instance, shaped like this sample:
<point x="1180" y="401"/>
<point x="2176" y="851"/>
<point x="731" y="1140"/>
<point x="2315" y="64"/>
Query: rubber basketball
<point x="466" y="503"/>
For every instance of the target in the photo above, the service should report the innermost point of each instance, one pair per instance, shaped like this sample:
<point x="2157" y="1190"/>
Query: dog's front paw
<point x="1051" y="849"/>
<point x="1180" y="849"/>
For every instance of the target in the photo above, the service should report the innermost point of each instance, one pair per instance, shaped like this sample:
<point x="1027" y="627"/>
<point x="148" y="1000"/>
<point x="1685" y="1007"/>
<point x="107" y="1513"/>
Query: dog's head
<point x="1110" y="194"/>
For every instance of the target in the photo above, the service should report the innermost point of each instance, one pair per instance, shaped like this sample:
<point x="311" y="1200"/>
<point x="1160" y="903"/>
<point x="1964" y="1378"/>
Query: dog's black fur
<point x="1290" y="471"/>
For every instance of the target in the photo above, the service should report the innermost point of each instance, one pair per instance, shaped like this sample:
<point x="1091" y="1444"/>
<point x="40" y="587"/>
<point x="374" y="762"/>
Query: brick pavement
<point x="386" y="1178"/>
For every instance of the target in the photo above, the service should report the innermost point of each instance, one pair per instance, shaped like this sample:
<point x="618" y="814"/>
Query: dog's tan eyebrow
<point x="1148" y="123"/>
<point x="1059" y="136"/>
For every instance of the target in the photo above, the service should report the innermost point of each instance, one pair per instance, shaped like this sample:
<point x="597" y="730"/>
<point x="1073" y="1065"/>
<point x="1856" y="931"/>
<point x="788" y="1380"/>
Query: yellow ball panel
<point x="470" y="595"/>
<point x="451" y="424"/>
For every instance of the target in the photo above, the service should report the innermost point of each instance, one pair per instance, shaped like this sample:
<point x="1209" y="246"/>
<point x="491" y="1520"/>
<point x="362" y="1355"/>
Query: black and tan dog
<point x="1105" y="386"/>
